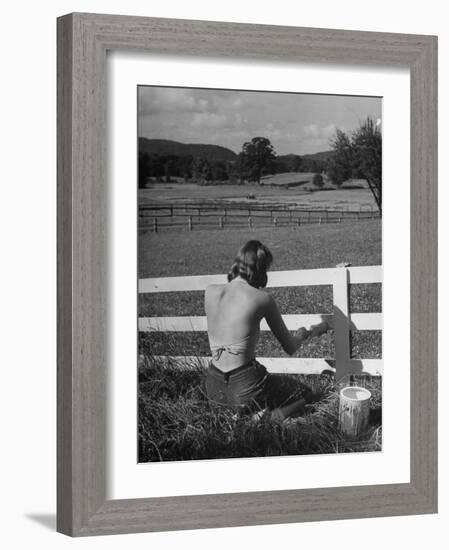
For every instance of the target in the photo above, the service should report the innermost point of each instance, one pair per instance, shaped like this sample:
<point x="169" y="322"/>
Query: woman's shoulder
<point x="214" y="287"/>
<point x="264" y="296"/>
<point x="259" y="295"/>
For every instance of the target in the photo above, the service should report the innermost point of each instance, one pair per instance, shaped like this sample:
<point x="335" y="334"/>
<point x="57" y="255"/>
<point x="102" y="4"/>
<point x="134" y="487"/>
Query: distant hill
<point x="167" y="147"/>
<point x="212" y="152"/>
<point x="322" y="156"/>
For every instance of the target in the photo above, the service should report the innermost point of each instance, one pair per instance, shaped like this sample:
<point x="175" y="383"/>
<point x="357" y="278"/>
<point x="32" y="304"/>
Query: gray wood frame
<point x="83" y="40"/>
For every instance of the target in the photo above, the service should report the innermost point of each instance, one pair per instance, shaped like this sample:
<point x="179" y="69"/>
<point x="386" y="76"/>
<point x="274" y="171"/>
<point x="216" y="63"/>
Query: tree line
<point x="256" y="159"/>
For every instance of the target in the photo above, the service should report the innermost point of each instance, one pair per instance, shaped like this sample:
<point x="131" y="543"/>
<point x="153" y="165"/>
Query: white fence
<point x="343" y="322"/>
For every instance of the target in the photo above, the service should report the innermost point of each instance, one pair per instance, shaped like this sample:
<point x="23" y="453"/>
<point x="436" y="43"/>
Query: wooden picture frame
<point x="83" y="40"/>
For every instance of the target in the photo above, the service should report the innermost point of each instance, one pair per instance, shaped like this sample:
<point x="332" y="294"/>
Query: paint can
<point x="354" y="408"/>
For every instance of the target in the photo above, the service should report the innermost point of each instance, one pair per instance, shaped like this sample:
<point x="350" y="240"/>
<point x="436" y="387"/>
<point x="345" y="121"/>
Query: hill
<point x="166" y="147"/>
<point x="322" y="156"/>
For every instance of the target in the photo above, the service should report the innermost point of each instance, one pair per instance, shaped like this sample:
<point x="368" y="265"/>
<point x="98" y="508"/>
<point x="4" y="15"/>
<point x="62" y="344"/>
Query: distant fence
<point x="191" y="216"/>
<point x="340" y="278"/>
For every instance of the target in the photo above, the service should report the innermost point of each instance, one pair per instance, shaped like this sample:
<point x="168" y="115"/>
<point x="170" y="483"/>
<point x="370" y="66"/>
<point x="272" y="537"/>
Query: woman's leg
<point x="290" y="411"/>
<point x="287" y="405"/>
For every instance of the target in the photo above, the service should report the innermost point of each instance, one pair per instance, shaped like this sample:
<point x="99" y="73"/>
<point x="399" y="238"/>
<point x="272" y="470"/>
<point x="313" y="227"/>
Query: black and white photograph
<point x="259" y="273"/>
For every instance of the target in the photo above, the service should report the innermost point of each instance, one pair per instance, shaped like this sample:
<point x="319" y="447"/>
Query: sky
<point x="293" y="122"/>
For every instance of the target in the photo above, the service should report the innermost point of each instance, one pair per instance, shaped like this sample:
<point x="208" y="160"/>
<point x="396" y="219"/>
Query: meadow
<point x="176" y="421"/>
<point x="352" y="196"/>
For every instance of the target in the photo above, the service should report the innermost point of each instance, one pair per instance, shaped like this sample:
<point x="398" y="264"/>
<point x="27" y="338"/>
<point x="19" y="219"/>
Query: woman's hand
<point x="302" y="334"/>
<point x="321" y="328"/>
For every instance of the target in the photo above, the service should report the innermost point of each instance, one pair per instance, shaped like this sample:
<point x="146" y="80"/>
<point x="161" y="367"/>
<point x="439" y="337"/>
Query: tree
<point x="238" y="170"/>
<point x="294" y="163"/>
<point x="219" y="171"/>
<point x="196" y="168"/>
<point x="339" y="167"/>
<point x="318" y="180"/>
<point x="257" y="156"/>
<point x="201" y="170"/>
<point x="367" y="162"/>
<point x="144" y="161"/>
<point x="358" y="156"/>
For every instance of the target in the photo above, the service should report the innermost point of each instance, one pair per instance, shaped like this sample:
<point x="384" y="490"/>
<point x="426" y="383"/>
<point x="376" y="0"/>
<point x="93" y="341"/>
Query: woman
<point x="234" y="311"/>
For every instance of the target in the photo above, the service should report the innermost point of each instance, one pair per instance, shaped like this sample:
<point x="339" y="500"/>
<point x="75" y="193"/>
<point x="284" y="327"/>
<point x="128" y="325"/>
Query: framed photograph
<point x="247" y="289"/>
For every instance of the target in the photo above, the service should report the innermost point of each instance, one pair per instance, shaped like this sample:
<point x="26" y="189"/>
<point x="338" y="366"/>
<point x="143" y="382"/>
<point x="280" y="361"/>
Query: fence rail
<point x="157" y="217"/>
<point x="340" y="278"/>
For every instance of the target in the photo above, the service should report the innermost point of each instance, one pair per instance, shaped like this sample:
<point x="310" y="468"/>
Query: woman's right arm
<point x="289" y="343"/>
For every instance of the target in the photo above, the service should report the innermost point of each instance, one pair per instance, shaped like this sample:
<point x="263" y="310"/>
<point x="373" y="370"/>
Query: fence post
<point x="250" y="222"/>
<point x="275" y="221"/>
<point x="220" y="222"/>
<point x="341" y="322"/>
<point x="299" y="221"/>
<point x="190" y="223"/>
<point x="155" y="225"/>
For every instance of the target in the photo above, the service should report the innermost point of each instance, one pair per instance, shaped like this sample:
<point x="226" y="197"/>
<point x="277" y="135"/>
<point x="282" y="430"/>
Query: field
<point x="350" y="197"/>
<point x="175" y="419"/>
<point x="283" y="200"/>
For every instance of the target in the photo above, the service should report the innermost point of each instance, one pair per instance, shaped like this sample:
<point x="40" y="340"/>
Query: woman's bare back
<point x="234" y="311"/>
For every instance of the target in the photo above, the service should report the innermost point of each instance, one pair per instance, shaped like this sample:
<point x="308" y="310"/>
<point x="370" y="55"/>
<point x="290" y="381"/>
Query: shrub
<point x="318" y="180"/>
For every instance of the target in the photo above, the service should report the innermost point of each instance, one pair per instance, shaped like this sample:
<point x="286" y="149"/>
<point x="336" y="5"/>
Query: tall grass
<point x="177" y="422"/>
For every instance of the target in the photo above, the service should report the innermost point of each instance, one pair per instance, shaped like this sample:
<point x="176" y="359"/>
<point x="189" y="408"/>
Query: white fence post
<point x="341" y="322"/>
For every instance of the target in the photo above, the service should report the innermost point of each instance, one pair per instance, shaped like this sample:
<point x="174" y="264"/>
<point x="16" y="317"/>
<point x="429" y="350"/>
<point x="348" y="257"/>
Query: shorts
<point x="249" y="386"/>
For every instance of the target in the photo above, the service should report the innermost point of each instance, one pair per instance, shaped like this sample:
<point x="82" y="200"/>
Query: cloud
<point x="328" y="131"/>
<point x="153" y="101"/>
<point x="311" y="131"/>
<point x="316" y="132"/>
<point x="210" y="120"/>
<point x="317" y="138"/>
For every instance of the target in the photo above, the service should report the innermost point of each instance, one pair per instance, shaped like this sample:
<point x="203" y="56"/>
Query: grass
<point x="177" y="422"/>
<point x="305" y="247"/>
<point x="349" y="197"/>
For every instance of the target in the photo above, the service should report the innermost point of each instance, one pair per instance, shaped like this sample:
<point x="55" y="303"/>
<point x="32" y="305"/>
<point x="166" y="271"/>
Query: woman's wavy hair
<point x="251" y="263"/>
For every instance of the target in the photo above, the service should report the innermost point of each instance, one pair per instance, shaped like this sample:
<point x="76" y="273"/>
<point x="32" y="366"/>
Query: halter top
<point x="235" y="348"/>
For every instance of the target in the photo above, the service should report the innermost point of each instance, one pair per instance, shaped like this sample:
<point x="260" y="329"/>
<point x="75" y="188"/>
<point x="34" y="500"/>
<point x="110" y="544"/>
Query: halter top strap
<point x="234" y="348"/>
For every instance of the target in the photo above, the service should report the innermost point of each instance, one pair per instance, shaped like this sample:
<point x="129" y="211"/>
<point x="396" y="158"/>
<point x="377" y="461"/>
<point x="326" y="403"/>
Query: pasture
<point x="350" y="197"/>
<point x="283" y="200"/>
<point x="176" y="421"/>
